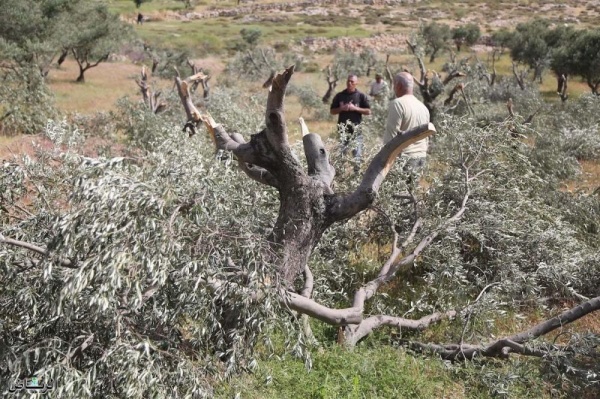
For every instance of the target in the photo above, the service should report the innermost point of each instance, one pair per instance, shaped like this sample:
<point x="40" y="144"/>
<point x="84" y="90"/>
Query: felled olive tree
<point x="109" y="270"/>
<point x="309" y="206"/>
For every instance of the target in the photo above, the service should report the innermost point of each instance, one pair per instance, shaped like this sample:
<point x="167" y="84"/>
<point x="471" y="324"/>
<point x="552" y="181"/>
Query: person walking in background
<point x="406" y="112"/>
<point x="350" y="105"/>
<point x="379" y="87"/>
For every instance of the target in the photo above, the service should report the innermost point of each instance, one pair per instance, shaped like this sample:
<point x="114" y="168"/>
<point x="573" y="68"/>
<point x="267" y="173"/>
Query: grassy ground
<point x="103" y="86"/>
<point x="381" y="369"/>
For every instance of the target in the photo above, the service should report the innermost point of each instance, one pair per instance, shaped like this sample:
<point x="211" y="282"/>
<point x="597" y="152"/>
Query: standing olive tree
<point x="436" y="37"/>
<point x="92" y="33"/>
<point x="465" y="34"/>
<point x="31" y="32"/>
<point x="585" y="53"/>
<point x="528" y="46"/>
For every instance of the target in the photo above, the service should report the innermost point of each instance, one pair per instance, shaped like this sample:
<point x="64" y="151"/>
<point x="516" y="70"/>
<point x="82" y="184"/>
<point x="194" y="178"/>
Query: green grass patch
<point x="389" y="372"/>
<point x="128" y="6"/>
<point x="340" y="373"/>
<point x="215" y="36"/>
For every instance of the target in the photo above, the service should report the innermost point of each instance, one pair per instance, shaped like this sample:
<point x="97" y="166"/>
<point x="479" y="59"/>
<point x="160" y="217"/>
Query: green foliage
<point x="585" y="53"/>
<point x="528" y="45"/>
<point x="132" y="276"/>
<point x="465" y="34"/>
<point x="258" y="63"/>
<point x="26" y="103"/>
<point x="31" y="31"/>
<point x="436" y="37"/>
<point x="141" y="126"/>
<point x="251" y="36"/>
<point x="337" y="373"/>
<point x="502" y="38"/>
<point x="150" y="232"/>
<point x="359" y="64"/>
<point x="310" y="101"/>
<point x="250" y="39"/>
<point x="92" y="33"/>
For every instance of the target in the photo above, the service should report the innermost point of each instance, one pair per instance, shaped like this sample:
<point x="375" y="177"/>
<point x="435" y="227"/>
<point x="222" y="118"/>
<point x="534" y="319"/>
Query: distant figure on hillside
<point x="406" y="112"/>
<point x="140" y="18"/>
<point x="350" y="105"/>
<point x="379" y="87"/>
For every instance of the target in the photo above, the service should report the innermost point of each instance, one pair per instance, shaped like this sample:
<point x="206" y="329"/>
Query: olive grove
<point x="159" y="269"/>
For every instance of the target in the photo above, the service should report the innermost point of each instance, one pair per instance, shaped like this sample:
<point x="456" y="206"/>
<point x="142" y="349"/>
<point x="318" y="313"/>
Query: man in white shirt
<point x="379" y="87"/>
<point x="406" y="112"/>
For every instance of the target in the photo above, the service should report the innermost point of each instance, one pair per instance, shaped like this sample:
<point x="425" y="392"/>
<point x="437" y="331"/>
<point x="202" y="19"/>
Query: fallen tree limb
<point x="503" y="347"/>
<point x="42" y="251"/>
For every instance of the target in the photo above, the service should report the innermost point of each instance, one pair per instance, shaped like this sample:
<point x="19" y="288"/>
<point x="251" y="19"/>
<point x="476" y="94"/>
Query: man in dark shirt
<point x="350" y="105"/>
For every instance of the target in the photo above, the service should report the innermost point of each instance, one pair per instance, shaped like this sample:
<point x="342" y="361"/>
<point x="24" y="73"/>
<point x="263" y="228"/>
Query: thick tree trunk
<point x="63" y="57"/>
<point x="81" y="77"/>
<point x="594" y="86"/>
<point x="84" y="63"/>
<point x="300" y="224"/>
<point x="432" y="58"/>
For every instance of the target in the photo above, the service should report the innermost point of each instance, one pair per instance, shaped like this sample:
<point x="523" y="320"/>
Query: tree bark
<point x="63" y="57"/>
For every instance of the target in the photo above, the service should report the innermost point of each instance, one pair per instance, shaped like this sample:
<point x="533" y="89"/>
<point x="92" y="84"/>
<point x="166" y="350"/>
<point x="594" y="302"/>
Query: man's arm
<point x="363" y="107"/>
<point x="336" y="111"/>
<point x="355" y="108"/>
<point x="336" y="107"/>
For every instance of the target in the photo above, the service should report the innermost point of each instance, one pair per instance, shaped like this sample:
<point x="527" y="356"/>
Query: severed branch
<point x="529" y="119"/>
<point x="317" y="157"/>
<point x="243" y="151"/>
<point x="368" y="325"/>
<point x="308" y="283"/>
<point x="274" y="118"/>
<point x="204" y="81"/>
<point x="261" y="157"/>
<point x="42" y="251"/>
<point x="453" y="75"/>
<point x="193" y="115"/>
<point x="515" y="343"/>
<point x="459" y="87"/>
<point x="562" y="80"/>
<point x="335" y="317"/>
<point x="269" y="82"/>
<point x="509" y="107"/>
<point x="150" y="97"/>
<point x="349" y="205"/>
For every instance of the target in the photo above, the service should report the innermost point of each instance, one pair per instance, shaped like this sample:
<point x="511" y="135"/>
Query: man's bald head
<point x="403" y="84"/>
